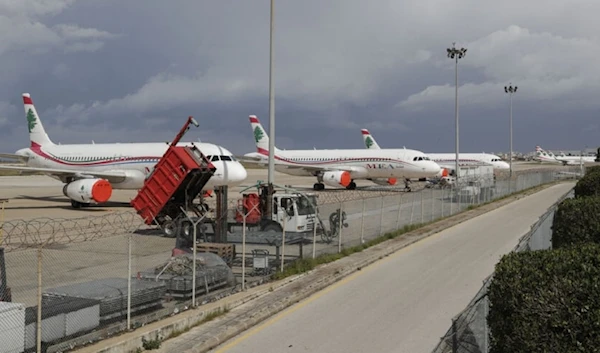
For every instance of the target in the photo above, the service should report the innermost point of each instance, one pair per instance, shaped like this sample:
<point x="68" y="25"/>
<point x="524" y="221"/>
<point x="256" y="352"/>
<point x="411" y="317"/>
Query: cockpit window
<point x="421" y="158"/>
<point x="225" y="158"/>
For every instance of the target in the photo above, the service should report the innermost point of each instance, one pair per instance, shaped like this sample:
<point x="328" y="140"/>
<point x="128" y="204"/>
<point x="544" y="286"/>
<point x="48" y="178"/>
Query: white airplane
<point x="91" y="171"/>
<point x="342" y="167"/>
<point x="448" y="159"/>
<point x="548" y="156"/>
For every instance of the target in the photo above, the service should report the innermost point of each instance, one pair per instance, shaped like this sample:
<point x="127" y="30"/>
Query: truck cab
<point x="296" y="212"/>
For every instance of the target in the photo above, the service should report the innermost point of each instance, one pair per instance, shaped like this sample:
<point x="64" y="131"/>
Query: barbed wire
<point x="22" y="234"/>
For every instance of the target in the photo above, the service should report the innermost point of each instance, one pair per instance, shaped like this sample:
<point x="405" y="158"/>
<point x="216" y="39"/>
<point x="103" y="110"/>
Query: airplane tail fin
<point x="370" y="142"/>
<point x="37" y="134"/>
<point x="260" y="135"/>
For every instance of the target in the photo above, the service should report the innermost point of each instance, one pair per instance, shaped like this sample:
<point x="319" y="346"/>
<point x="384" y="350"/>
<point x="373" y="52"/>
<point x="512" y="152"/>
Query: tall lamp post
<point x="455" y="54"/>
<point x="510" y="90"/>
<point x="271" y="169"/>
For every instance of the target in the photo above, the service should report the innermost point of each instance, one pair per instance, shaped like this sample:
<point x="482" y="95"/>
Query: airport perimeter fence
<point x="74" y="281"/>
<point x="469" y="332"/>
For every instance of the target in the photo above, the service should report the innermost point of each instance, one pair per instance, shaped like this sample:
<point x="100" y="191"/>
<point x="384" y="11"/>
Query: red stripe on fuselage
<point x="264" y="152"/>
<point x="37" y="149"/>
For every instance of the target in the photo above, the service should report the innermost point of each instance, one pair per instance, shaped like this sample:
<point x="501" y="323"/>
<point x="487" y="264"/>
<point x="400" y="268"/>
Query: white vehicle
<point x="341" y="167"/>
<point x="91" y="171"/>
<point x="447" y="160"/>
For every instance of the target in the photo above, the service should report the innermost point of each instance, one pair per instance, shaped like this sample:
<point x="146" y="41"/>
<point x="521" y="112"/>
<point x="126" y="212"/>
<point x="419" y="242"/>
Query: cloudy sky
<point x="117" y="71"/>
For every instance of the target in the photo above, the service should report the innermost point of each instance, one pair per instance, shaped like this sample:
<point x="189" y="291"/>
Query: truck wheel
<point x="272" y="228"/>
<point x="187" y="229"/>
<point x="169" y="229"/>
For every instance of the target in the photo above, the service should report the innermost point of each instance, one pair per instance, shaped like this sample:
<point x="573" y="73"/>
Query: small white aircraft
<point x="91" y="171"/>
<point x="341" y="167"/>
<point x="447" y="159"/>
<point x="548" y="156"/>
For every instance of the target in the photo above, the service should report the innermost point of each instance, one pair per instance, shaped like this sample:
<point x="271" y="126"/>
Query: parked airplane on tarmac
<point x="547" y="156"/>
<point x="447" y="159"/>
<point x="342" y="167"/>
<point x="91" y="171"/>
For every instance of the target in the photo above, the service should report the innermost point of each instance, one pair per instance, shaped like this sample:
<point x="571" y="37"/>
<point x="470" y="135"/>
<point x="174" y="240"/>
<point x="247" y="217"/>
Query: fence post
<point x="285" y="216"/>
<point x="362" y="223"/>
<point x="412" y="208"/>
<point x="381" y="219"/>
<point x="442" y="203"/>
<point x="341" y="222"/>
<point x="432" y="205"/>
<point x="454" y="337"/>
<point x="422" y="207"/>
<point x="129" y="281"/>
<point x="450" y="194"/>
<point x="243" y="250"/>
<point x="39" y="301"/>
<point x="486" y="328"/>
<point x="314" y="252"/>
<point x="399" y="213"/>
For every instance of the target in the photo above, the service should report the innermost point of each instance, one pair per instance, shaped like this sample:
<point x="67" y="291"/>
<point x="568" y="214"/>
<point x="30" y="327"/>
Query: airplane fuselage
<point x="135" y="159"/>
<point x="363" y="164"/>
<point x="465" y="158"/>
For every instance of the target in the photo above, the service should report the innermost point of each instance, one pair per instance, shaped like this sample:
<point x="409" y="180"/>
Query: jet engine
<point x="444" y="172"/>
<point x="337" y="178"/>
<point x="384" y="181"/>
<point x="88" y="190"/>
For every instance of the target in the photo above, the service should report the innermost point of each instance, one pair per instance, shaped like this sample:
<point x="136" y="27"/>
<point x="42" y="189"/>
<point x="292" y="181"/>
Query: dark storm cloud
<point x="132" y="71"/>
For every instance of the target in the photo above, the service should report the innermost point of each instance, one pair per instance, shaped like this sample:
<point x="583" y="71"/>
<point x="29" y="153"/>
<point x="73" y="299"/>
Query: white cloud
<point x="547" y="67"/>
<point x="33" y="7"/>
<point x="24" y="30"/>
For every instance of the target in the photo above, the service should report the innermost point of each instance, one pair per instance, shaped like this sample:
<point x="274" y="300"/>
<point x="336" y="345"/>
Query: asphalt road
<point x="405" y="302"/>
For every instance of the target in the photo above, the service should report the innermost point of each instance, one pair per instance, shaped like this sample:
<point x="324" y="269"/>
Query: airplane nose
<point x="239" y="173"/>
<point x="434" y="168"/>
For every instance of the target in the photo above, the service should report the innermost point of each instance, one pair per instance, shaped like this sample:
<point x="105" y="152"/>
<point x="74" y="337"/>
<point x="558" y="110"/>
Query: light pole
<point x="510" y="90"/>
<point x="271" y="171"/>
<point x="455" y="54"/>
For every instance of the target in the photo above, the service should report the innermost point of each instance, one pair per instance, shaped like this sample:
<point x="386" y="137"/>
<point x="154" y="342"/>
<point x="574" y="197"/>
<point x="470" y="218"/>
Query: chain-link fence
<point x="68" y="282"/>
<point x="469" y="332"/>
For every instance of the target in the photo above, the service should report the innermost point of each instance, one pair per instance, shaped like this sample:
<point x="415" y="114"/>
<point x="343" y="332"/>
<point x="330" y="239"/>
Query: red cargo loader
<point x="175" y="182"/>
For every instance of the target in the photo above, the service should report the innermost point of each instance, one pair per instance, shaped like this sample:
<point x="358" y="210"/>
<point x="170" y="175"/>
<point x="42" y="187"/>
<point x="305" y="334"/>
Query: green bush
<point x="592" y="169"/>
<point x="588" y="185"/>
<point x="546" y="301"/>
<point x="576" y="220"/>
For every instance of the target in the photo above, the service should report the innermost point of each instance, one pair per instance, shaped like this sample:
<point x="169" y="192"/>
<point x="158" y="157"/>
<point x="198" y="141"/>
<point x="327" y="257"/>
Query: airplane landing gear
<point x="319" y="186"/>
<point x="351" y="186"/>
<point x="407" y="185"/>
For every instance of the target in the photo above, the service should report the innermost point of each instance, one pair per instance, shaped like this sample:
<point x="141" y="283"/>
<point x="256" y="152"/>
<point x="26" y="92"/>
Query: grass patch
<point x="209" y="317"/>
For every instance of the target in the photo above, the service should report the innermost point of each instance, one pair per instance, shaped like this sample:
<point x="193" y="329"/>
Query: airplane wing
<point x="113" y="177"/>
<point x="13" y="156"/>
